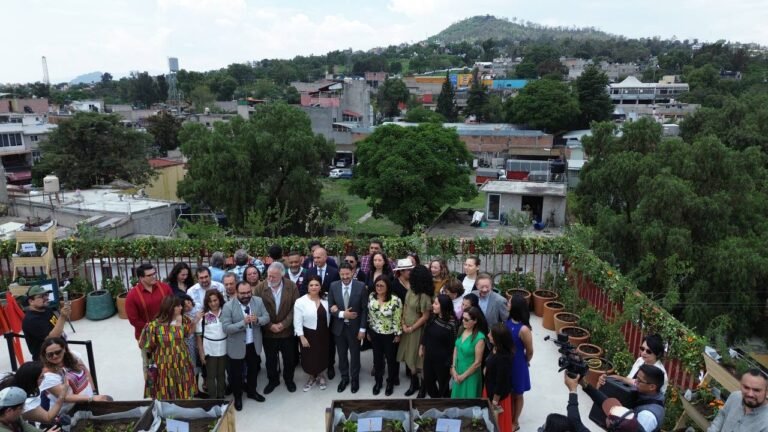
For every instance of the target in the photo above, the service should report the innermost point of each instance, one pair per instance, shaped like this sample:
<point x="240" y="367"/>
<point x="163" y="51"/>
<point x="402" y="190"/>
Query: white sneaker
<point x="309" y="384"/>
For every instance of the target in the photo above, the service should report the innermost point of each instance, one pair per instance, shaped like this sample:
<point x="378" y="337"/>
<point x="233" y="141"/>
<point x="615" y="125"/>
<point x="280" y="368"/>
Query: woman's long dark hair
<point x="166" y="309"/>
<point x="386" y="269"/>
<point x="173" y="276"/>
<point x="387" y="282"/>
<point x="68" y="361"/>
<point x="446" y="308"/>
<point x="519" y="311"/>
<point x="502" y="339"/>
<point x="421" y="281"/>
<point x="481" y="325"/>
<point x="25" y="378"/>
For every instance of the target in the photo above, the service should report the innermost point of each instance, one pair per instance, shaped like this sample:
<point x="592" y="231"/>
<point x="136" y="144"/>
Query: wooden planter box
<point x="694" y="414"/>
<point x="225" y="423"/>
<point x="423" y="405"/>
<point x="105" y="408"/>
<point x="718" y="373"/>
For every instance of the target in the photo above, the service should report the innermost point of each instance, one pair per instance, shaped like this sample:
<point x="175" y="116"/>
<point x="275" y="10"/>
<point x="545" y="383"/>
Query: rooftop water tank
<point x="51" y="184"/>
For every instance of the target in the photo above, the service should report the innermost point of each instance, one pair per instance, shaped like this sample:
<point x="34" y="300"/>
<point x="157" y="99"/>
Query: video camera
<point x="569" y="361"/>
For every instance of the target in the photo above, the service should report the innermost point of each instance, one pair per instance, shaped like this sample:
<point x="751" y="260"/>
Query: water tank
<point x="51" y="184"/>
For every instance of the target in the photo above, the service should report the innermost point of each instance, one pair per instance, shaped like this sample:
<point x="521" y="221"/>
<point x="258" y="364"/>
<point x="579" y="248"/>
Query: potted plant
<point x="550" y="309"/>
<point x="576" y="335"/>
<point x="77" y="288"/>
<point x="117" y="290"/>
<point x="597" y="366"/>
<point x="512" y="284"/>
<point x="588" y="351"/>
<point x="540" y="297"/>
<point x="100" y="305"/>
<point x="563" y="319"/>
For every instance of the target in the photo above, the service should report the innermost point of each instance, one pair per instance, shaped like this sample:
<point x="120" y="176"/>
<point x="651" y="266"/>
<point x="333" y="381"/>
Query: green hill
<point x="484" y="27"/>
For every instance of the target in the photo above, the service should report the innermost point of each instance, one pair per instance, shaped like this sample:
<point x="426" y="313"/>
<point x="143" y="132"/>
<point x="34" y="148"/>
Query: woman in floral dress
<point x="171" y="373"/>
<point x="384" y="317"/>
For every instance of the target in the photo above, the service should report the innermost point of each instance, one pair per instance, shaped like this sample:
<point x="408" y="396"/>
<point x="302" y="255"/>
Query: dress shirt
<point x="483" y="303"/>
<point x="277" y="294"/>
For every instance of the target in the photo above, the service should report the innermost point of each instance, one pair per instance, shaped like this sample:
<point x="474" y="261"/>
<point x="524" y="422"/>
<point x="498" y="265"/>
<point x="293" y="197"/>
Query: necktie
<point x="346" y="297"/>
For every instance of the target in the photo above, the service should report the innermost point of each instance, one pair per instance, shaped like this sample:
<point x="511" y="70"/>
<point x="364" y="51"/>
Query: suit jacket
<point x="358" y="301"/>
<point x="497" y="311"/>
<point x="331" y="276"/>
<point x="232" y="319"/>
<point x="282" y="313"/>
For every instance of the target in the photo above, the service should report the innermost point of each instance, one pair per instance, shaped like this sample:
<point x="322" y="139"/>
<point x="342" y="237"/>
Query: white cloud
<point x="414" y="8"/>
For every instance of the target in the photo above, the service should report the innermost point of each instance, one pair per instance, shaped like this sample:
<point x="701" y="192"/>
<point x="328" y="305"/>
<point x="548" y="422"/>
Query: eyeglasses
<point x="646" y="350"/>
<point x="350" y="261"/>
<point x="150" y="274"/>
<point x="641" y="381"/>
<point x="52" y="354"/>
<point x="467" y="319"/>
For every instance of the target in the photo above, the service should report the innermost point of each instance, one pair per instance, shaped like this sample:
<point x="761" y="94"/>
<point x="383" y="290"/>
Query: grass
<point x="356" y="206"/>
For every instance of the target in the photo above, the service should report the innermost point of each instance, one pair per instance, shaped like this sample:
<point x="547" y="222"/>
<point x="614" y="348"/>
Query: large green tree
<point x="687" y="221"/>
<point x="446" y="101"/>
<point x="477" y="98"/>
<point x="409" y="173"/>
<point x="165" y="128"/>
<point x="594" y="102"/>
<point x="546" y="104"/>
<point x="257" y="169"/>
<point x="391" y="94"/>
<point x="92" y="148"/>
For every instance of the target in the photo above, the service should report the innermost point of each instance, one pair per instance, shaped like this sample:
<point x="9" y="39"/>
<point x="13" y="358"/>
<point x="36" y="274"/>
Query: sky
<point x="119" y="36"/>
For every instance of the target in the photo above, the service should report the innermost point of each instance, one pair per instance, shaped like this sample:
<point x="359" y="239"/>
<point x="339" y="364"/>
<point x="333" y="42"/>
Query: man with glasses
<point x="40" y="322"/>
<point x="242" y="320"/>
<point x="204" y="283"/>
<point x="143" y="301"/>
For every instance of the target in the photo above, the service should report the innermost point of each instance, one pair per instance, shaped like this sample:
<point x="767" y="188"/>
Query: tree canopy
<point x="391" y="94"/>
<point x="446" y="101"/>
<point x="165" y="128"/>
<point x="264" y="169"/>
<point x="92" y="148"/>
<point x="594" y="102"/>
<point x="409" y="173"/>
<point x="545" y="104"/>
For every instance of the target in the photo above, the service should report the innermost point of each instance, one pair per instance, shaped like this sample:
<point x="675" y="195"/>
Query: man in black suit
<point x="321" y="267"/>
<point x="348" y="303"/>
<point x="309" y="262"/>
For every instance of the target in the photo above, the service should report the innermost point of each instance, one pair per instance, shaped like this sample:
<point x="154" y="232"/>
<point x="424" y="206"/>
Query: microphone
<point x="248" y="312"/>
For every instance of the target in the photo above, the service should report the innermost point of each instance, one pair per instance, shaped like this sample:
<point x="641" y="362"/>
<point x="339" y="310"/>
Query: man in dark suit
<point x="321" y="267"/>
<point x="493" y="304"/>
<point x="242" y="319"/>
<point x="279" y="294"/>
<point x="348" y="303"/>
<point x="309" y="262"/>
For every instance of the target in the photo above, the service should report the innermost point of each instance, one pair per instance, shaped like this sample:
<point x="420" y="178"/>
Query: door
<point x="493" y="207"/>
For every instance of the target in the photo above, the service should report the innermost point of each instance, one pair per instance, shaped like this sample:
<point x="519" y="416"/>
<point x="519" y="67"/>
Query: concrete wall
<point x="166" y="185"/>
<point x="38" y="106"/>
<point x="515" y="202"/>
<point x="357" y="98"/>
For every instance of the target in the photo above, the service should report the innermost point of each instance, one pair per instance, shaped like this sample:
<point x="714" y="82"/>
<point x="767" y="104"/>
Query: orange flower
<point x="690" y="339"/>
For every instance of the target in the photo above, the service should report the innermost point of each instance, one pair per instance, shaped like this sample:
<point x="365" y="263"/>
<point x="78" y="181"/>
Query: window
<point x="33" y="138"/>
<point x="11" y="140"/>
<point x="493" y="206"/>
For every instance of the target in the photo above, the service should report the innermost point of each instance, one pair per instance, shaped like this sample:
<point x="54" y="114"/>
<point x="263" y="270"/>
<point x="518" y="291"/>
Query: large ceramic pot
<point x="77" y="307"/>
<point x="576" y="335"/>
<point x="550" y="309"/>
<point x="99" y="306"/>
<point x="539" y="298"/>
<point x="597" y="367"/>
<point x="520" y="292"/>
<point x="120" y="303"/>
<point x="588" y="351"/>
<point x="563" y="319"/>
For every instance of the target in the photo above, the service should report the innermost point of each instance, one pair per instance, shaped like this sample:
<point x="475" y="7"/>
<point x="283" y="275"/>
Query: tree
<point x="391" y="94"/>
<point x="144" y="90"/>
<point x="546" y="104"/>
<point x="477" y="98"/>
<point x="165" y="128"/>
<point x="422" y="115"/>
<point x="201" y="97"/>
<point x="594" y="102"/>
<point x="446" y="101"/>
<point x="256" y="169"/>
<point x="93" y="148"/>
<point x="408" y="174"/>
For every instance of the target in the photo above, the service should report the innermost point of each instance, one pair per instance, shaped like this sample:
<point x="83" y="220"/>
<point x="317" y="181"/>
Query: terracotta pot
<point x="520" y="292"/>
<point x="550" y="309"/>
<point x="77" y="305"/>
<point x="576" y="335"/>
<point x="563" y="319"/>
<point x="604" y="367"/>
<point x="588" y="350"/>
<point x="120" y="302"/>
<point x="539" y="298"/>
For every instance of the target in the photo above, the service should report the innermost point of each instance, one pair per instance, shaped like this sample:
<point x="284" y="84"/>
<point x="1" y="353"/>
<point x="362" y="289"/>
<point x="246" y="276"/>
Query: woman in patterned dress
<point x="171" y="374"/>
<point x="384" y="311"/>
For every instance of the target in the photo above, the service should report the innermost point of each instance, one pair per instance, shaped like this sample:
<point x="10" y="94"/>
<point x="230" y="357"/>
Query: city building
<point x="632" y="91"/>
<point x="20" y="145"/>
<point x="23" y="105"/>
<point x="544" y="202"/>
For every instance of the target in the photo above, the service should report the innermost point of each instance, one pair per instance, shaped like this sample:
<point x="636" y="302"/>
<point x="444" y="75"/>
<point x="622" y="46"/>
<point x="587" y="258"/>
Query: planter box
<point x="101" y="415"/>
<point x="694" y="414"/>
<point x="718" y="373"/>
<point x="421" y="406"/>
<point x="204" y="414"/>
<point x="361" y="406"/>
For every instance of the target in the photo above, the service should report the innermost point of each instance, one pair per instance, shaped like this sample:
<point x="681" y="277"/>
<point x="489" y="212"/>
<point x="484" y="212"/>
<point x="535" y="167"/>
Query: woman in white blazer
<point x="310" y="322"/>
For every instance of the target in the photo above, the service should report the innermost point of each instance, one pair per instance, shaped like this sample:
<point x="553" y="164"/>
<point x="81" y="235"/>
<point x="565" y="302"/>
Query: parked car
<point x="341" y="173"/>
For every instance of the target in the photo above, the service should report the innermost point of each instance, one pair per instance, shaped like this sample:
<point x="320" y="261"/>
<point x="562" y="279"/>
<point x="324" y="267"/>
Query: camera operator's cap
<point x="621" y="417"/>
<point x="404" y="264"/>
<point x="12" y="396"/>
<point x="37" y="290"/>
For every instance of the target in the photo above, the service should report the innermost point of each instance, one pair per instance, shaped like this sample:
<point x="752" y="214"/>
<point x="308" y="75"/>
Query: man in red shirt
<point x="143" y="301"/>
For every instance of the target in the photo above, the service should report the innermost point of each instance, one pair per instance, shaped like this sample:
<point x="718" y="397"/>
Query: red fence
<point x="633" y="332"/>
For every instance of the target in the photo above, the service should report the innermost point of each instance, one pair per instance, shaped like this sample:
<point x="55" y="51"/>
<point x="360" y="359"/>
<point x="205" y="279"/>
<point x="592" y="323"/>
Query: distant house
<point x="166" y="185"/>
<point x="20" y="140"/>
<point x="543" y="201"/>
<point x="632" y="91"/>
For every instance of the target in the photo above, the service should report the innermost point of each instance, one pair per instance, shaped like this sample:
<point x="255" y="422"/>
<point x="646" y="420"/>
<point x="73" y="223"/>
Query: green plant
<point x="349" y="426"/>
<point x="114" y="286"/>
<point x="397" y="425"/>
<point x="79" y="286"/>
<point x="529" y="281"/>
<point x="425" y="421"/>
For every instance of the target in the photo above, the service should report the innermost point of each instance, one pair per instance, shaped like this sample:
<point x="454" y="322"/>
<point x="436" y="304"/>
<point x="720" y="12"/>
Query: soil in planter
<point x="104" y="426"/>
<point x="467" y="425"/>
<point x="545" y="294"/>
<point x="574" y="332"/>
<point x="589" y="349"/>
<point x="386" y="426"/>
<point x="198" y="425"/>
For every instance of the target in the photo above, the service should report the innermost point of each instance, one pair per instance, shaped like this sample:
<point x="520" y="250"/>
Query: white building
<point x="20" y="146"/>
<point x="632" y="91"/>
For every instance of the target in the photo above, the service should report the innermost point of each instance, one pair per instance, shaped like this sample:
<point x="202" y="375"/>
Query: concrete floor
<point x="118" y="367"/>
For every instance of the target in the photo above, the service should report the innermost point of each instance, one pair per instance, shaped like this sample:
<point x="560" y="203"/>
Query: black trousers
<point x="273" y="347"/>
<point x="437" y="374"/>
<point x="347" y="343"/>
<point x="384" y="352"/>
<point x="251" y="364"/>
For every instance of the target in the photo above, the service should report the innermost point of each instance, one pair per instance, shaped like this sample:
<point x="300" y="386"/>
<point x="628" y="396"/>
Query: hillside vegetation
<point x="482" y="27"/>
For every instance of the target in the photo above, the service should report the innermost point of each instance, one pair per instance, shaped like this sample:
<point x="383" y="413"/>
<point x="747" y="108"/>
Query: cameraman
<point x="571" y="423"/>
<point x="649" y="408"/>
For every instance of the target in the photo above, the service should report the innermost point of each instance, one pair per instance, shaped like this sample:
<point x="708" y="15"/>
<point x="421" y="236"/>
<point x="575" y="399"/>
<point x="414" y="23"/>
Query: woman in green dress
<point x="468" y="357"/>
<point x="416" y="312"/>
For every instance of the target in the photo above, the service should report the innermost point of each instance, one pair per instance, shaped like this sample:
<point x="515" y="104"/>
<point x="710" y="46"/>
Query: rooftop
<point x="476" y="129"/>
<point x="39" y="128"/>
<point x="524" y="188"/>
<point x="107" y="200"/>
<point x="456" y="223"/>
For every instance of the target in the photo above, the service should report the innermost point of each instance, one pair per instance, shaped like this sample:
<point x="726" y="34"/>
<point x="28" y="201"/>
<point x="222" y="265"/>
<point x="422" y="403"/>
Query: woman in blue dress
<point x="520" y="327"/>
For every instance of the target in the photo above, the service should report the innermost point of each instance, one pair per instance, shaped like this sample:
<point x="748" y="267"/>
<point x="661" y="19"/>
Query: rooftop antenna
<point x="45" y="72"/>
